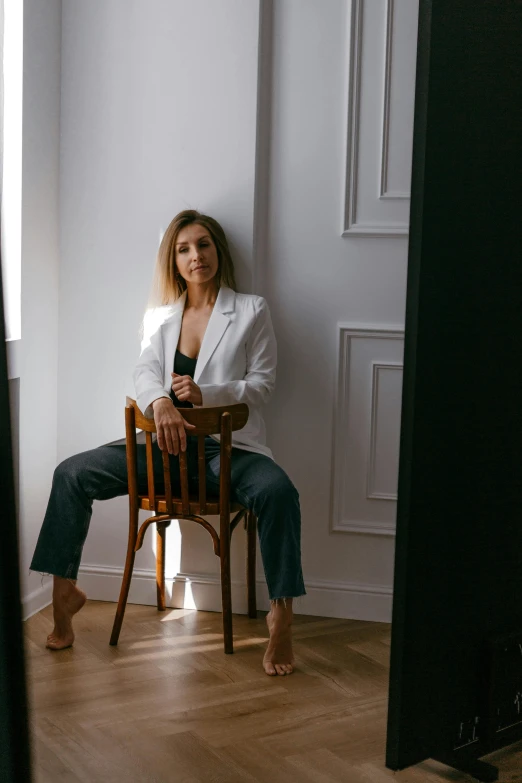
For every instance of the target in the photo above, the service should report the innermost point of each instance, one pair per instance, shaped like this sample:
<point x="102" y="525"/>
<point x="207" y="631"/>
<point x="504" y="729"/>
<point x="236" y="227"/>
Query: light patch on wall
<point x="190" y="601"/>
<point x="12" y="66"/>
<point x="152" y="321"/>
<point x="172" y="556"/>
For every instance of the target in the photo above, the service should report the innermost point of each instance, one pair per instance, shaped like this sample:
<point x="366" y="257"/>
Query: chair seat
<point x="212" y="506"/>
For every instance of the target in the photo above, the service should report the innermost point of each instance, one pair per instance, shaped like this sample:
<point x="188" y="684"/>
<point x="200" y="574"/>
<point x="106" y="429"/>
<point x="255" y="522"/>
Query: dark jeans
<point x="257" y="482"/>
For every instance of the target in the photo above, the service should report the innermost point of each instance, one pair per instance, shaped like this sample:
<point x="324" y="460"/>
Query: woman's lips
<point x="199" y="268"/>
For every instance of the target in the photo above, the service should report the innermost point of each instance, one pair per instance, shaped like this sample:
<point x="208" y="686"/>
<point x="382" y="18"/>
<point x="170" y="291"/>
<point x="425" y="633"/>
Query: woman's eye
<point x="182" y="250"/>
<point x="203" y="244"/>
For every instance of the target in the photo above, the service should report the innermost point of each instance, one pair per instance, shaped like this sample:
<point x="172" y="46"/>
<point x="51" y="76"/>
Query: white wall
<point x="11" y="109"/>
<point x="158" y="114"/>
<point x="38" y="349"/>
<point x="290" y="122"/>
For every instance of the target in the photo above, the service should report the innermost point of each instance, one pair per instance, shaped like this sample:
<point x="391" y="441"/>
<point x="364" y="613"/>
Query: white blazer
<point x="236" y="362"/>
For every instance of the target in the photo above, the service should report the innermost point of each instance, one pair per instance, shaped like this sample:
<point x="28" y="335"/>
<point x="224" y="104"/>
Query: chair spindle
<point x="150" y="472"/>
<point x="166" y="479"/>
<point x="202" y="477"/>
<point x="183" y="477"/>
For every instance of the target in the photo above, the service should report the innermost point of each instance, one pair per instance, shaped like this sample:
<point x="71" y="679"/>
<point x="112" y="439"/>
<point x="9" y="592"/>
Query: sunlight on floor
<point x="176" y="614"/>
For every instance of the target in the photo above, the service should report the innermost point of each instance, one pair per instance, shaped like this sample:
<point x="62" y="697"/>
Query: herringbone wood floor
<point x="168" y="706"/>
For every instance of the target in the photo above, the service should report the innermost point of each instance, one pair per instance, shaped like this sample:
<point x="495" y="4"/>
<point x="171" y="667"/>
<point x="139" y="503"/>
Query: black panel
<point x="14" y="738"/>
<point x="458" y="569"/>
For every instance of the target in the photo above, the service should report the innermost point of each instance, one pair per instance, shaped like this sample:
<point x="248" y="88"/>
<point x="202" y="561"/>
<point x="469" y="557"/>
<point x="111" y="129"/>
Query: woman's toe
<point x="54" y="643"/>
<point x="280" y="669"/>
<point x="270" y="669"/>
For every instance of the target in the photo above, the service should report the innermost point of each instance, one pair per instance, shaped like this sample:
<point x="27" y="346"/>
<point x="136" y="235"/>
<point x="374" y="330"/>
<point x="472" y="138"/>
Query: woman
<point x="210" y="346"/>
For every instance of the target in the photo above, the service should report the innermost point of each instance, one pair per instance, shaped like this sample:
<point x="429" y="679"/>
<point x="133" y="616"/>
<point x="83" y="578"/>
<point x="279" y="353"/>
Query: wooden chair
<point x="165" y="507"/>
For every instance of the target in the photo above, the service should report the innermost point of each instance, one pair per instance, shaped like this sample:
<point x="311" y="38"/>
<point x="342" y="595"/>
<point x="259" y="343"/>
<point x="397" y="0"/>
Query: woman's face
<point x="196" y="254"/>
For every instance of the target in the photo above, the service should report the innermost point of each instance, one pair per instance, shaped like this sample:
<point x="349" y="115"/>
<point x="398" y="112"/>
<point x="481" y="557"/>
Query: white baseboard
<point x="38" y="599"/>
<point x="352" y="601"/>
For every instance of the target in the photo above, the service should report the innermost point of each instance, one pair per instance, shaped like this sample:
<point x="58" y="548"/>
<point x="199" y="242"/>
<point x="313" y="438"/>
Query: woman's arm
<point x="259" y="382"/>
<point x="148" y="375"/>
<point x="170" y="426"/>
<point x="155" y="402"/>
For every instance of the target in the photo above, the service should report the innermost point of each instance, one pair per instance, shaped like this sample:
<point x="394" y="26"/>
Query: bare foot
<point x="279" y="657"/>
<point x="67" y="600"/>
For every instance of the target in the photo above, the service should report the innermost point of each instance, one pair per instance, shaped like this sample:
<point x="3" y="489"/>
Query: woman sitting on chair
<point x="222" y="349"/>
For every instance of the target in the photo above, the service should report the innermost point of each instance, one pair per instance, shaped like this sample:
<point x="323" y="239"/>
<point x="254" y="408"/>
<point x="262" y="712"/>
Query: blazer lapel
<point x="171" y="332"/>
<point x="216" y="328"/>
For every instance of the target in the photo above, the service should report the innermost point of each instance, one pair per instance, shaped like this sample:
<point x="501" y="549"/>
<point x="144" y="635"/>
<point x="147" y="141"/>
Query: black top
<point x="183" y="365"/>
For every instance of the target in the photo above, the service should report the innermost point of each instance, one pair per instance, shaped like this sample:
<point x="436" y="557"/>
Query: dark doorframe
<point x="458" y="562"/>
<point x="15" y="761"/>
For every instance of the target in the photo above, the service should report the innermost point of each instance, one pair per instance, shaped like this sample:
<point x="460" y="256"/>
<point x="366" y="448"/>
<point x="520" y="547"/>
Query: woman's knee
<point x="99" y="473"/>
<point x="276" y="487"/>
<point x="71" y="469"/>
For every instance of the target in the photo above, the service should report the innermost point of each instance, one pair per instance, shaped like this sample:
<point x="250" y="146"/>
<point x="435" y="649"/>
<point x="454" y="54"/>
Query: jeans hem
<point x="62" y="573"/>
<point x="285" y="596"/>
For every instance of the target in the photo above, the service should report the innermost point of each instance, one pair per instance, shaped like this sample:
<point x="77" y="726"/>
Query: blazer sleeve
<point x="148" y="375"/>
<point x="261" y="355"/>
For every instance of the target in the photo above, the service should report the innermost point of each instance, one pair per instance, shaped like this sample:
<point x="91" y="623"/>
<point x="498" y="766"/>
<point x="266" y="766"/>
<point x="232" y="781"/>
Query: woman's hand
<point x="185" y="389"/>
<point x="170" y="426"/>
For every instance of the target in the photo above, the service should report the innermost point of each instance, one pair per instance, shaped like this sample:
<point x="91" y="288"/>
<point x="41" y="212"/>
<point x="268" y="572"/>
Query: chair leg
<point x="251" y="565"/>
<point x="161" y="535"/>
<point x="226" y="593"/>
<point x="127" y="576"/>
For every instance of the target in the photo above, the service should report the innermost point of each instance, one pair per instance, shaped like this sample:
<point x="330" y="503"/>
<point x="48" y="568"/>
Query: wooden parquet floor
<point x="168" y="706"/>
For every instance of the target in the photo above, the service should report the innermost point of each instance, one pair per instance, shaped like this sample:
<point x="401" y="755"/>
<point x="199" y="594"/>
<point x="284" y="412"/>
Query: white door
<point x="334" y="273"/>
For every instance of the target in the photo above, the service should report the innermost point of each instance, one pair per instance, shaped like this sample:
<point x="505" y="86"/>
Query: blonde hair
<point x="167" y="284"/>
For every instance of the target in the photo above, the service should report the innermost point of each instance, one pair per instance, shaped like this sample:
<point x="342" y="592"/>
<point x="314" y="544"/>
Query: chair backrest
<point x="222" y="420"/>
